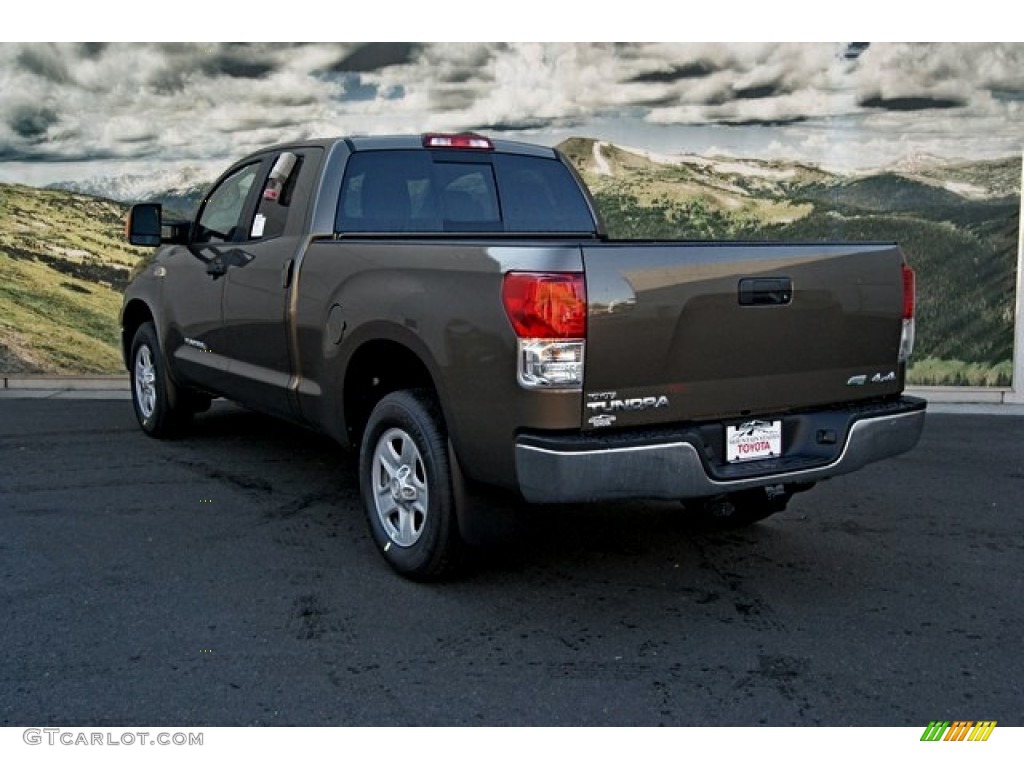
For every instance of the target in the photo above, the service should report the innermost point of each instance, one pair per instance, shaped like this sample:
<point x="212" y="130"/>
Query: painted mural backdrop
<point x="916" y="143"/>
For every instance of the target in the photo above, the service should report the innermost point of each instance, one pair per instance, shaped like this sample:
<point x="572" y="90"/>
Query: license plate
<point x="753" y="440"/>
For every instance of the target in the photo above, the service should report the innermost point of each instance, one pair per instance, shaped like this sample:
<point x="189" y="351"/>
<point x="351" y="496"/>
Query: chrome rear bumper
<point x="554" y="471"/>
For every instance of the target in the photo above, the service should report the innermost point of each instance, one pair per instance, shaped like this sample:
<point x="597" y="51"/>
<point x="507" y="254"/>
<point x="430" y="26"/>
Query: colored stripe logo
<point x="959" y="730"/>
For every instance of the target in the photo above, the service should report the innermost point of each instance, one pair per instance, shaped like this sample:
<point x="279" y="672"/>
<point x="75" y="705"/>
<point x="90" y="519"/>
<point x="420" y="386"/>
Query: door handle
<point x="765" y="291"/>
<point x="286" y="273"/>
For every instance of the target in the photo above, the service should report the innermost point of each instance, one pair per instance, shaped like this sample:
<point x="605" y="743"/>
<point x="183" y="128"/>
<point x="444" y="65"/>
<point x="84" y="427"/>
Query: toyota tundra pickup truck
<point x="451" y="307"/>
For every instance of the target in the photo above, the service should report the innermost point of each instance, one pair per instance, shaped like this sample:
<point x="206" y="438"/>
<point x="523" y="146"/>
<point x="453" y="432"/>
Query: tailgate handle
<point x="765" y="291"/>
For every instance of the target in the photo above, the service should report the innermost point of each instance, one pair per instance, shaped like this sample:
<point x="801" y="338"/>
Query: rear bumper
<point x="685" y="463"/>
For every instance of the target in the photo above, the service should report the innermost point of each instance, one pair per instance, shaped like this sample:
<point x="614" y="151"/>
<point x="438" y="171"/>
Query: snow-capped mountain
<point x="179" y="188"/>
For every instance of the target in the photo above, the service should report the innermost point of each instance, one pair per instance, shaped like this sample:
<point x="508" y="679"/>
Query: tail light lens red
<point x="546" y="305"/>
<point x="909" y="293"/>
<point x="907" y="333"/>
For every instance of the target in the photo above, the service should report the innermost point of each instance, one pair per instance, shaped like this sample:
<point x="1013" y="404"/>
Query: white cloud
<point x="195" y="102"/>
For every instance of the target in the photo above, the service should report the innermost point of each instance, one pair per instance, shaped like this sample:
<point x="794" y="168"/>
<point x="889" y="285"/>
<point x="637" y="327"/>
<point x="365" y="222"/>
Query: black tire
<point x="159" y="407"/>
<point x="740" y="509"/>
<point x="405" y="480"/>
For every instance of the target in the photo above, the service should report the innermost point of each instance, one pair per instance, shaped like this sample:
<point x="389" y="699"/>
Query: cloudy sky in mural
<point x="77" y="110"/>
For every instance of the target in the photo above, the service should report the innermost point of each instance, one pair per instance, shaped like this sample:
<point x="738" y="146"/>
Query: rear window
<point x="420" y="191"/>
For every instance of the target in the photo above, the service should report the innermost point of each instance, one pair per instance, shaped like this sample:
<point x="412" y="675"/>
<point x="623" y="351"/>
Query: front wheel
<point x="159" y="409"/>
<point x="405" y="480"/>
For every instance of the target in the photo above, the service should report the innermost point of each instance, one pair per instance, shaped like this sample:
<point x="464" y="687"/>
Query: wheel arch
<point x="377" y="367"/>
<point x="135" y="313"/>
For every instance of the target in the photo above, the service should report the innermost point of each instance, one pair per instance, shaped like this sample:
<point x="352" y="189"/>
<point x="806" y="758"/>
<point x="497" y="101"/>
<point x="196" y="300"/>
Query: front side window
<point x="221" y="218"/>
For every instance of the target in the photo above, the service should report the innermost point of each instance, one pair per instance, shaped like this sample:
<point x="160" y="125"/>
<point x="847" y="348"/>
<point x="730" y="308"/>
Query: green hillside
<point x="963" y="248"/>
<point x="64" y="263"/>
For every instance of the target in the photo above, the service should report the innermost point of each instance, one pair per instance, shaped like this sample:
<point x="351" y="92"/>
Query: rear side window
<point x="276" y="196"/>
<point x="419" y="191"/>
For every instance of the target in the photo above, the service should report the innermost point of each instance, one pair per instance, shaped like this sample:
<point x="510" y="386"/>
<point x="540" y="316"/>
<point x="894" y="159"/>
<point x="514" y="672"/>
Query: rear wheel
<point x="406" y="483"/>
<point x="159" y="407"/>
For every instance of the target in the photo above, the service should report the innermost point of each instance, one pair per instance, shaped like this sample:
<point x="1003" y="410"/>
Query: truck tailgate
<point x="692" y="331"/>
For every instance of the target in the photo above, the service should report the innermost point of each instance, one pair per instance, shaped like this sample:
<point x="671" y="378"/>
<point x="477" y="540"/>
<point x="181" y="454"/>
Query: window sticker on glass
<point x="257" y="225"/>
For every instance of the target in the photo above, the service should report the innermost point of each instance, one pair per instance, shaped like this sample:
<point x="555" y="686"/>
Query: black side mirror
<point x="145" y="226"/>
<point x="142" y="226"/>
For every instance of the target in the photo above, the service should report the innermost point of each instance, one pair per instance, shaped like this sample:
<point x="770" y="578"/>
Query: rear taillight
<point x="909" y="293"/>
<point x="551" y="305"/>
<point x="909" y="298"/>
<point x="548" y="311"/>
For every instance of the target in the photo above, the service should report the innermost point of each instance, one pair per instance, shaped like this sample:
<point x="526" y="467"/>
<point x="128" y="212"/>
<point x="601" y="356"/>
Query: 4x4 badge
<point x="878" y="378"/>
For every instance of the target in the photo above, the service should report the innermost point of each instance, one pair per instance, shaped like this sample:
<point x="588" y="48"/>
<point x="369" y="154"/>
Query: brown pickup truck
<point x="450" y="306"/>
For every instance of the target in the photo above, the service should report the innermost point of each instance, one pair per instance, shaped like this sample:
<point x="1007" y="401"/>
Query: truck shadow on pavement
<point x="291" y="471"/>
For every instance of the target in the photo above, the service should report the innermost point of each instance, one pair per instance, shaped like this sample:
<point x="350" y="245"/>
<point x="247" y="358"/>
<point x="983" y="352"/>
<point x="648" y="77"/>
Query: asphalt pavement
<point x="227" y="578"/>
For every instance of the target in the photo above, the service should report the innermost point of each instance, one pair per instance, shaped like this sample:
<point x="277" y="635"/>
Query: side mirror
<point x="145" y="226"/>
<point x="142" y="227"/>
